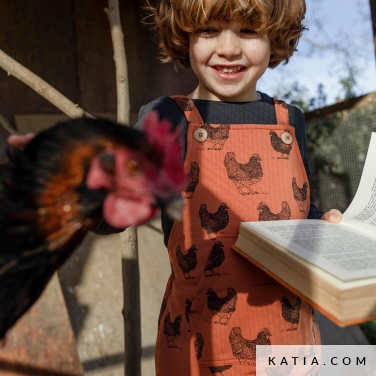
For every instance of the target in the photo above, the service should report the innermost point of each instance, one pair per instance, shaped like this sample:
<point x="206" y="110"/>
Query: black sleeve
<point x="168" y="109"/>
<point x="314" y="213"/>
<point x="298" y="121"/>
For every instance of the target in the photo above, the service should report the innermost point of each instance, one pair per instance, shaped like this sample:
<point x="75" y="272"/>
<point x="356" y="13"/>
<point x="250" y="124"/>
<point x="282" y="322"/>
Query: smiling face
<point x="228" y="59"/>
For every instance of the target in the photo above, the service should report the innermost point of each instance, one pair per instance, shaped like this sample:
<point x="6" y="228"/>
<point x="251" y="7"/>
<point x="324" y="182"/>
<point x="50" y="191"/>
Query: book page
<point x="362" y="211"/>
<point x="348" y="249"/>
<point x="340" y="250"/>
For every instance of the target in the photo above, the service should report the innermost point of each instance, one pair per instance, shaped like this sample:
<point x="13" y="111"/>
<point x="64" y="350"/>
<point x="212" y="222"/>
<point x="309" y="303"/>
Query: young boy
<point x="245" y="155"/>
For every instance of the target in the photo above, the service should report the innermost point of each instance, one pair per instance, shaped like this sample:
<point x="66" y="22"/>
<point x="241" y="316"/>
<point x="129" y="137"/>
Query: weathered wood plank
<point x="42" y="342"/>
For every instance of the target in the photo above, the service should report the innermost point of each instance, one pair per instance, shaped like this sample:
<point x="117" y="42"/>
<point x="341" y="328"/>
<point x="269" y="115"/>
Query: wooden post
<point x="129" y="252"/>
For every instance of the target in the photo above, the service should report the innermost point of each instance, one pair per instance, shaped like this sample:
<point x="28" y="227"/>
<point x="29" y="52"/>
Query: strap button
<point x="286" y="138"/>
<point x="200" y="134"/>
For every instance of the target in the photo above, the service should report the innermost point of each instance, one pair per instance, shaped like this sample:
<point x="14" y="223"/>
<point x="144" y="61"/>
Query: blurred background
<point x="332" y="78"/>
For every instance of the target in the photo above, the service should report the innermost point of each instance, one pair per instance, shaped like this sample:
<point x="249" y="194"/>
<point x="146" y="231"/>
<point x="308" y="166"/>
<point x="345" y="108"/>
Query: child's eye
<point x="206" y="31"/>
<point x="248" y="31"/>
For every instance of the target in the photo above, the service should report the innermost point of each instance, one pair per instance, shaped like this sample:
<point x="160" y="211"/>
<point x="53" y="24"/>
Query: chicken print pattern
<point x="219" y="369"/>
<point x="171" y="330"/>
<point x="283" y="370"/>
<point x="188" y="261"/>
<point x="193" y="180"/>
<point x="216" y="258"/>
<point x="223" y="308"/>
<point x="188" y="305"/>
<point x="265" y="214"/>
<point x="184" y="103"/>
<point x="244" y="175"/>
<point x="300" y="194"/>
<point x="199" y="345"/>
<point x="291" y="312"/>
<point x="230" y="305"/>
<point x="244" y="349"/>
<point x="214" y="222"/>
<point x="280" y="146"/>
<point x="216" y="136"/>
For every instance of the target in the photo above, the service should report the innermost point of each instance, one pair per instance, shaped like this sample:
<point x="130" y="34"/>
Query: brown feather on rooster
<point x="222" y="307"/>
<point x="217" y="136"/>
<point x="212" y="223"/>
<point x="64" y="183"/>
<point x="171" y="330"/>
<point x="244" y="175"/>
<point x="265" y="213"/>
<point x="300" y="194"/>
<point x="280" y="146"/>
<point x="188" y="261"/>
<point x="291" y="312"/>
<point x="244" y="349"/>
<point x="193" y="180"/>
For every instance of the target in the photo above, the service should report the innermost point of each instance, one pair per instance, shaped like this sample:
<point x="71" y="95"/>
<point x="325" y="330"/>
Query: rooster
<point x="300" y="194"/>
<point x="64" y="183"/>
<point x="245" y="349"/>
<point x="193" y="180"/>
<point x="291" y="312"/>
<point x="244" y="175"/>
<point x="217" y="136"/>
<point x="222" y="307"/>
<point x="280" y="146"/>
<point x="199" y="345"/>
<point x="214" y="222"/>
<point x="266" y="215"/>
<point x="216" y="258"/>
<point x="171" y="330"/>
<point x="188" y="261"/>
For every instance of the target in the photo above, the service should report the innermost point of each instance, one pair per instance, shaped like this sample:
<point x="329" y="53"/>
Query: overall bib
<point x="217" y="305"/>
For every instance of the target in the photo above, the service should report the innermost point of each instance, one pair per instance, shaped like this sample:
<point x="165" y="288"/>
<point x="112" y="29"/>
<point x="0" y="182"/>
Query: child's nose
<point x="228" y="44"/>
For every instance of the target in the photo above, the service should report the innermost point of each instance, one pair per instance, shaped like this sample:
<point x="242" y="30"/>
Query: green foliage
<point x="349" y="84"/>
<point x="298" y="95"/>
<point x="369" y="330"/>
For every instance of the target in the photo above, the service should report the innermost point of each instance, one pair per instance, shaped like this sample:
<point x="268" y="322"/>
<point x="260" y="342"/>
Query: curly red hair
<point x="174" y="20"/>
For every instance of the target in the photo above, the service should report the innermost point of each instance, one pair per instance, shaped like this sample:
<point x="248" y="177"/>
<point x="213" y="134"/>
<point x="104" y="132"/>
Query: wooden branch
<point x="123" y="103"/>
<point x="4" y="123"/>
<point x="131" y="302"/>
<point x="15" y="69"/>
<point x="129" y="252"/>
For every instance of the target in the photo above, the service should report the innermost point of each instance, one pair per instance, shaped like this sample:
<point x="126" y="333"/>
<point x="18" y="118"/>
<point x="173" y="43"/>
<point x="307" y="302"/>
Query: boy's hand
<point x="332" y="216"/>
<point x="20" y="140"/>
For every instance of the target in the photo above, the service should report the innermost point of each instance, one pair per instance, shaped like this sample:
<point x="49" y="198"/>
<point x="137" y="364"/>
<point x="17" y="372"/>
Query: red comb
<point x="160" y="133"/>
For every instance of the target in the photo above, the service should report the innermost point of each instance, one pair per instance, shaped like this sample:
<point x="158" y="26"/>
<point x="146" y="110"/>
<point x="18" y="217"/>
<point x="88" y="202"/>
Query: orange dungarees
<point x="215" y="299"/>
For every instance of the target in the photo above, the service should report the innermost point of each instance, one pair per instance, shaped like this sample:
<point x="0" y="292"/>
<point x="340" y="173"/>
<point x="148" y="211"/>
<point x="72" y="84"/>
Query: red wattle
<point x="120" y="212"/>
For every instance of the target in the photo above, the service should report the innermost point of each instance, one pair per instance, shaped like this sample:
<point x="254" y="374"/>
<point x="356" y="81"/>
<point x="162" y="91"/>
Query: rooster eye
<point x="133" y="167"/>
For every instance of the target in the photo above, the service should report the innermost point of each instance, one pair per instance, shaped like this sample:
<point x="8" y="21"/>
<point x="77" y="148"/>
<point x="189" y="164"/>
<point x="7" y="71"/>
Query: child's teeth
<point x="228" y="70"/>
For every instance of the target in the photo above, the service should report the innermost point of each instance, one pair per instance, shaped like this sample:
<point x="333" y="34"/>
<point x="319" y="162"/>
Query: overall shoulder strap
<point x="281" y="112"/>
<point x="189" y="108"/>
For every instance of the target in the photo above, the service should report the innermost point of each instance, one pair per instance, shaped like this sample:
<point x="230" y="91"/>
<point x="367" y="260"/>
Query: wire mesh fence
<point x="337" y="147"/>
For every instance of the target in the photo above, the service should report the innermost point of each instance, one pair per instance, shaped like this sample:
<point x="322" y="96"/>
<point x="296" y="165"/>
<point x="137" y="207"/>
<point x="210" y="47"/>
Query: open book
<point x="332" y="266"/>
